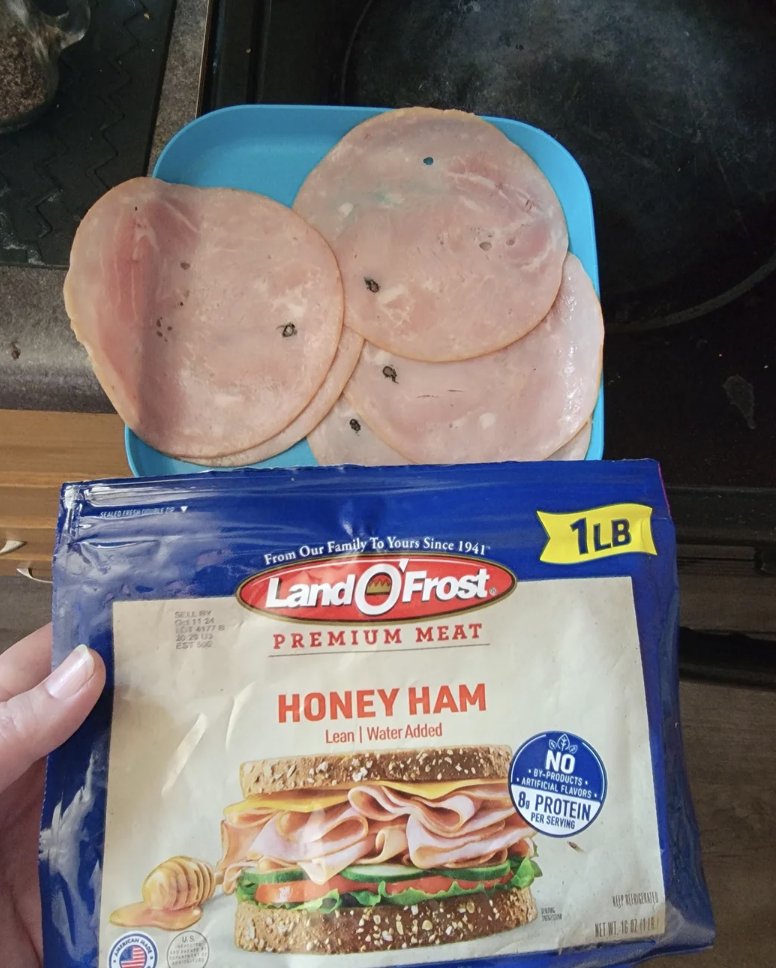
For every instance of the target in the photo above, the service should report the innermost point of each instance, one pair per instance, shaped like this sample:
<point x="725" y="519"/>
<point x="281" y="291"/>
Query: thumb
<point x="35" y="722"/>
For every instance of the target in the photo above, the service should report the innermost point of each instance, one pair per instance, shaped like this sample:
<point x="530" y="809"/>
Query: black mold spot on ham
<point x="371" y="285"/>
<point x="185" y="265"/>
<point x="181" y="305"/>
<point x="355" y="425"/>
<point x="159" y="322"/>
<point x="485" y="246"/>
<point x="289" y="329"/>
<point x="389" y="373"/>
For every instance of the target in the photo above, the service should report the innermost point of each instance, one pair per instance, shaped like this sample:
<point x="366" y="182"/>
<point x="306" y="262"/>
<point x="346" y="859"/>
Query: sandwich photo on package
<point x="372" y="716"/>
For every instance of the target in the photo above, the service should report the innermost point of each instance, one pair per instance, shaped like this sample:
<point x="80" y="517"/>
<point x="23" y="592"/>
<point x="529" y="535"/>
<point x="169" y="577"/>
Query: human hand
<point x="38" y="712"/>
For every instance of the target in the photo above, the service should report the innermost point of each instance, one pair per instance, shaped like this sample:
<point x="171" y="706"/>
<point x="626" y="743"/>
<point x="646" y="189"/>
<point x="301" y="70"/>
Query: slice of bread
<point x="384" y="927"/>
<point x="447" y="763"/>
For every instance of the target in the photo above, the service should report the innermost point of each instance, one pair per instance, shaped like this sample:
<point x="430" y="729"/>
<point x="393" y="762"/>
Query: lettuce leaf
<point x="329" y="902"/>
<point x="525" y="873"/>
<point x="246" y="886"/>
<point x="365" y="898"/>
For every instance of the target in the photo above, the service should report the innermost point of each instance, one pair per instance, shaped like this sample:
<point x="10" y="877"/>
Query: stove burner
<point x="668" y="105"/>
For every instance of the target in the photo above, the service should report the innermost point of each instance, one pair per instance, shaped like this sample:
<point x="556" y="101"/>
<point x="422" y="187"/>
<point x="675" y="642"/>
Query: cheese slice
<point x="299" y="801"/>
<point x="433" y="790"/>
<point x="306" y="801"/>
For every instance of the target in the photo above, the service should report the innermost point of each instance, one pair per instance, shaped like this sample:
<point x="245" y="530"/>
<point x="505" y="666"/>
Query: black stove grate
<point x="97" y="133"/>
<point x="670" y="107"/>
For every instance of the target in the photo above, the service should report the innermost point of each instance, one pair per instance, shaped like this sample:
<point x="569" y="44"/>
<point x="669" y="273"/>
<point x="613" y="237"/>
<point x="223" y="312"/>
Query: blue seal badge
<point x="558" y="783"/>
<point x="135" y="950"/>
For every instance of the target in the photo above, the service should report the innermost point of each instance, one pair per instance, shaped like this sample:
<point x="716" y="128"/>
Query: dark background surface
<point x="669" y="107"/>
<point x="96" y="134"/>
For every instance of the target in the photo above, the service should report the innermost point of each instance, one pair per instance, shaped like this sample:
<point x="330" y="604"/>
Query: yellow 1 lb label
<point x="598" y="533"/>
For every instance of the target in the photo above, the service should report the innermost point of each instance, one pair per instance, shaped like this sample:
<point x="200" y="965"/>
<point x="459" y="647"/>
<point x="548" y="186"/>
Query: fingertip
<point x="72" y="674"/>
<point x="99" y="674"/>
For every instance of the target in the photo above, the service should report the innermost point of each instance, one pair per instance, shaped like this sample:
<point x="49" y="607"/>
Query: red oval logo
<point x="376" y="588"/>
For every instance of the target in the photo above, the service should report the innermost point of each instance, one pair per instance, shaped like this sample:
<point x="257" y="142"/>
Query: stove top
<point x="669" y="108"/>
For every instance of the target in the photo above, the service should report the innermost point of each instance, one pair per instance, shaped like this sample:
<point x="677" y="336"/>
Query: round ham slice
<point x="450" y="239"/>
<point x="211" y="316"/>
<point x="522" y="403"/>
<point x="344" y="437"/>
<point x="576" y="448"/>
<point x="344" y="363"/>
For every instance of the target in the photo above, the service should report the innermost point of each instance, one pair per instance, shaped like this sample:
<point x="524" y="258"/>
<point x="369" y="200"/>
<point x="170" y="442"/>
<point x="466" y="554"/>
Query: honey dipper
<point x="173" y="895"/>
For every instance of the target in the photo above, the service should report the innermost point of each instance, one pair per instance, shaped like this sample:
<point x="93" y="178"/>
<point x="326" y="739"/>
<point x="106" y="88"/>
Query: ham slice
<point x="522" y="403"/>
<point x="236" y="840"/>
<point x="377" y="824"/>
<point x="323" y="868"/>
<point x="576" y="448"/>
<point x="295" y="837"/>
<point x="444" y="817"/>
<point x="306" y="828"/>
<point x="211" y="316"/>
<point x="469" y="847"/>
<point x="381" y="845"/>
<point x="449" y="238"/>
<point x="390" y="841"/>
<point x="382" y="804"/>
<point x="238" y="831"/>
<point x="345" y="360"/>
<point x="344" y="437"/>
<point x="470" y="810"/>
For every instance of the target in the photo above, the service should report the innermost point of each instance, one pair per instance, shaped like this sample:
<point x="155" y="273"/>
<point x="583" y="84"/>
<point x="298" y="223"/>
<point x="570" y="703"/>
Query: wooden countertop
<point x="40" y="450"/>
<point x="730" y="744"/>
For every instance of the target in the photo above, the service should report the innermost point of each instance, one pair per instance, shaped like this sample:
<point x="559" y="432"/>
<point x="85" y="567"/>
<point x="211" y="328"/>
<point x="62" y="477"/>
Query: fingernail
<point x="66" y="680"/>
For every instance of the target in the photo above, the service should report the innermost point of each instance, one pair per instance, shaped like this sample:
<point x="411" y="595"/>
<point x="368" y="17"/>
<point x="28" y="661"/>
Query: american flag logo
<point x="135" y="950"/>
<point x="133" y="956"/>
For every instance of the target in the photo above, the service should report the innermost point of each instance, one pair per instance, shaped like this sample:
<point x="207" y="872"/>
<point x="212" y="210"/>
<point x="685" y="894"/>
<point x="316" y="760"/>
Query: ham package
<point x="422" y="283"/>
<point x="380" y="716"/>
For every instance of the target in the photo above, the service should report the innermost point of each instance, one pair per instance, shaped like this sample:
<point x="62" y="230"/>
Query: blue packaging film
<point x="372" y="716"/>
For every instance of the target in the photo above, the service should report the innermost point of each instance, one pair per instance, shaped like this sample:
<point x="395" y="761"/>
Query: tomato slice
<point x="297" y="892"/>
<point x="472" y="885"/>
<point x="433" y="884"/>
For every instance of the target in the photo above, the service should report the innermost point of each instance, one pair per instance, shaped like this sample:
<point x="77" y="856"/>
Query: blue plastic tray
<point x="271" y="149"/>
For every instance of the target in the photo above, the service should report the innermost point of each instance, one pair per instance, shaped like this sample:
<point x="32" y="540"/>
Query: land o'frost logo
<point x="377" y="588"/>
<point x="558" y="783"/>
<point x="134" y="950"/>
